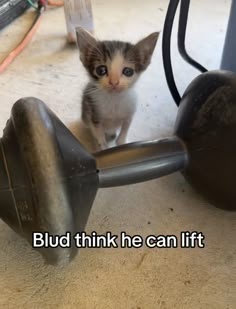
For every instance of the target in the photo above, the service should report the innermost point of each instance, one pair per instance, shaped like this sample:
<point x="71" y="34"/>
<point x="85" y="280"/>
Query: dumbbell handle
<point x="140" y="161"/>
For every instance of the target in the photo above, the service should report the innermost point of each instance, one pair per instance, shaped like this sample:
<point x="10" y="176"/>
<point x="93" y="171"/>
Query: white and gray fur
<point x="109" y="101"/>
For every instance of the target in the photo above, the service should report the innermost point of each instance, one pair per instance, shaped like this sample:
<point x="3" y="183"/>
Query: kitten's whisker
<point x="91" y="90"/>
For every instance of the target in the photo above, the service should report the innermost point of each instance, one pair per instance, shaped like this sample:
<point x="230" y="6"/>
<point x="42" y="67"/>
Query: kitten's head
<point x="115" y="65"/>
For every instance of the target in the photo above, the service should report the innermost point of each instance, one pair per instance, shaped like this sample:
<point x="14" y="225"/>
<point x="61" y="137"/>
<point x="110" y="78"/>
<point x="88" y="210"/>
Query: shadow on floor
<point x="83" y="134"/>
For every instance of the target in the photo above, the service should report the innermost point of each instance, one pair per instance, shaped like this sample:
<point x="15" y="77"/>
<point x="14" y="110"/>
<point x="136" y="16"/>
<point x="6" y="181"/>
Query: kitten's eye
<point x="128" y="72"/>
<point x="101" y="70"/>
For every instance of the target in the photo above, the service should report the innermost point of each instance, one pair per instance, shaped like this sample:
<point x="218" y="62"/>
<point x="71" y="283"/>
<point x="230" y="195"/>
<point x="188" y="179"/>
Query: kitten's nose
<point x="114" y="82"/>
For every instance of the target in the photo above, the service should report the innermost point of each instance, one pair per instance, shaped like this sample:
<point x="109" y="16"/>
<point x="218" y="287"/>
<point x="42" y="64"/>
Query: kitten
<point x="109" y="102"/>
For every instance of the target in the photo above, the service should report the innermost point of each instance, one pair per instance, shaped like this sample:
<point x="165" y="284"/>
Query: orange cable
<point x="55" y="3"/>
<point x="16" y="51"/>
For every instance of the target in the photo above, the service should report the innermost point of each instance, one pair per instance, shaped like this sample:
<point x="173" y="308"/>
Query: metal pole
<point x="140" y="161"/>
<point x="229" y="52"/>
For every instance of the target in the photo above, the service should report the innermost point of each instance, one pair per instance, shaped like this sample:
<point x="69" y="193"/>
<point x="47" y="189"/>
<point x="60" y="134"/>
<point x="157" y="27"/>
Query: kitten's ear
<point x="145" y="48"/>
<point x="84" y="39"/>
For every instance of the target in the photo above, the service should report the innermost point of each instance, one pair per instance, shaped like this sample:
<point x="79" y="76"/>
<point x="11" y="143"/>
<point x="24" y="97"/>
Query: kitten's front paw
<point x="121" y="141"/>
<point x="100" y="147"/>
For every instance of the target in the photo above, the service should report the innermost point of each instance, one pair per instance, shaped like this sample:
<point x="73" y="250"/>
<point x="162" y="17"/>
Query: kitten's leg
<point x="123" y="132"/>
<point x="99" y="134"/>
<point x="91" y="117"/>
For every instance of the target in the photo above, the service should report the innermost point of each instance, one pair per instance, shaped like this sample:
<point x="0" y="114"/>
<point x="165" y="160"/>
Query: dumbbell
<point x="48" y="181"/>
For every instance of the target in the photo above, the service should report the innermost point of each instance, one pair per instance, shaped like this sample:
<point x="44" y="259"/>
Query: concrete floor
<point x="122" y="278"/>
